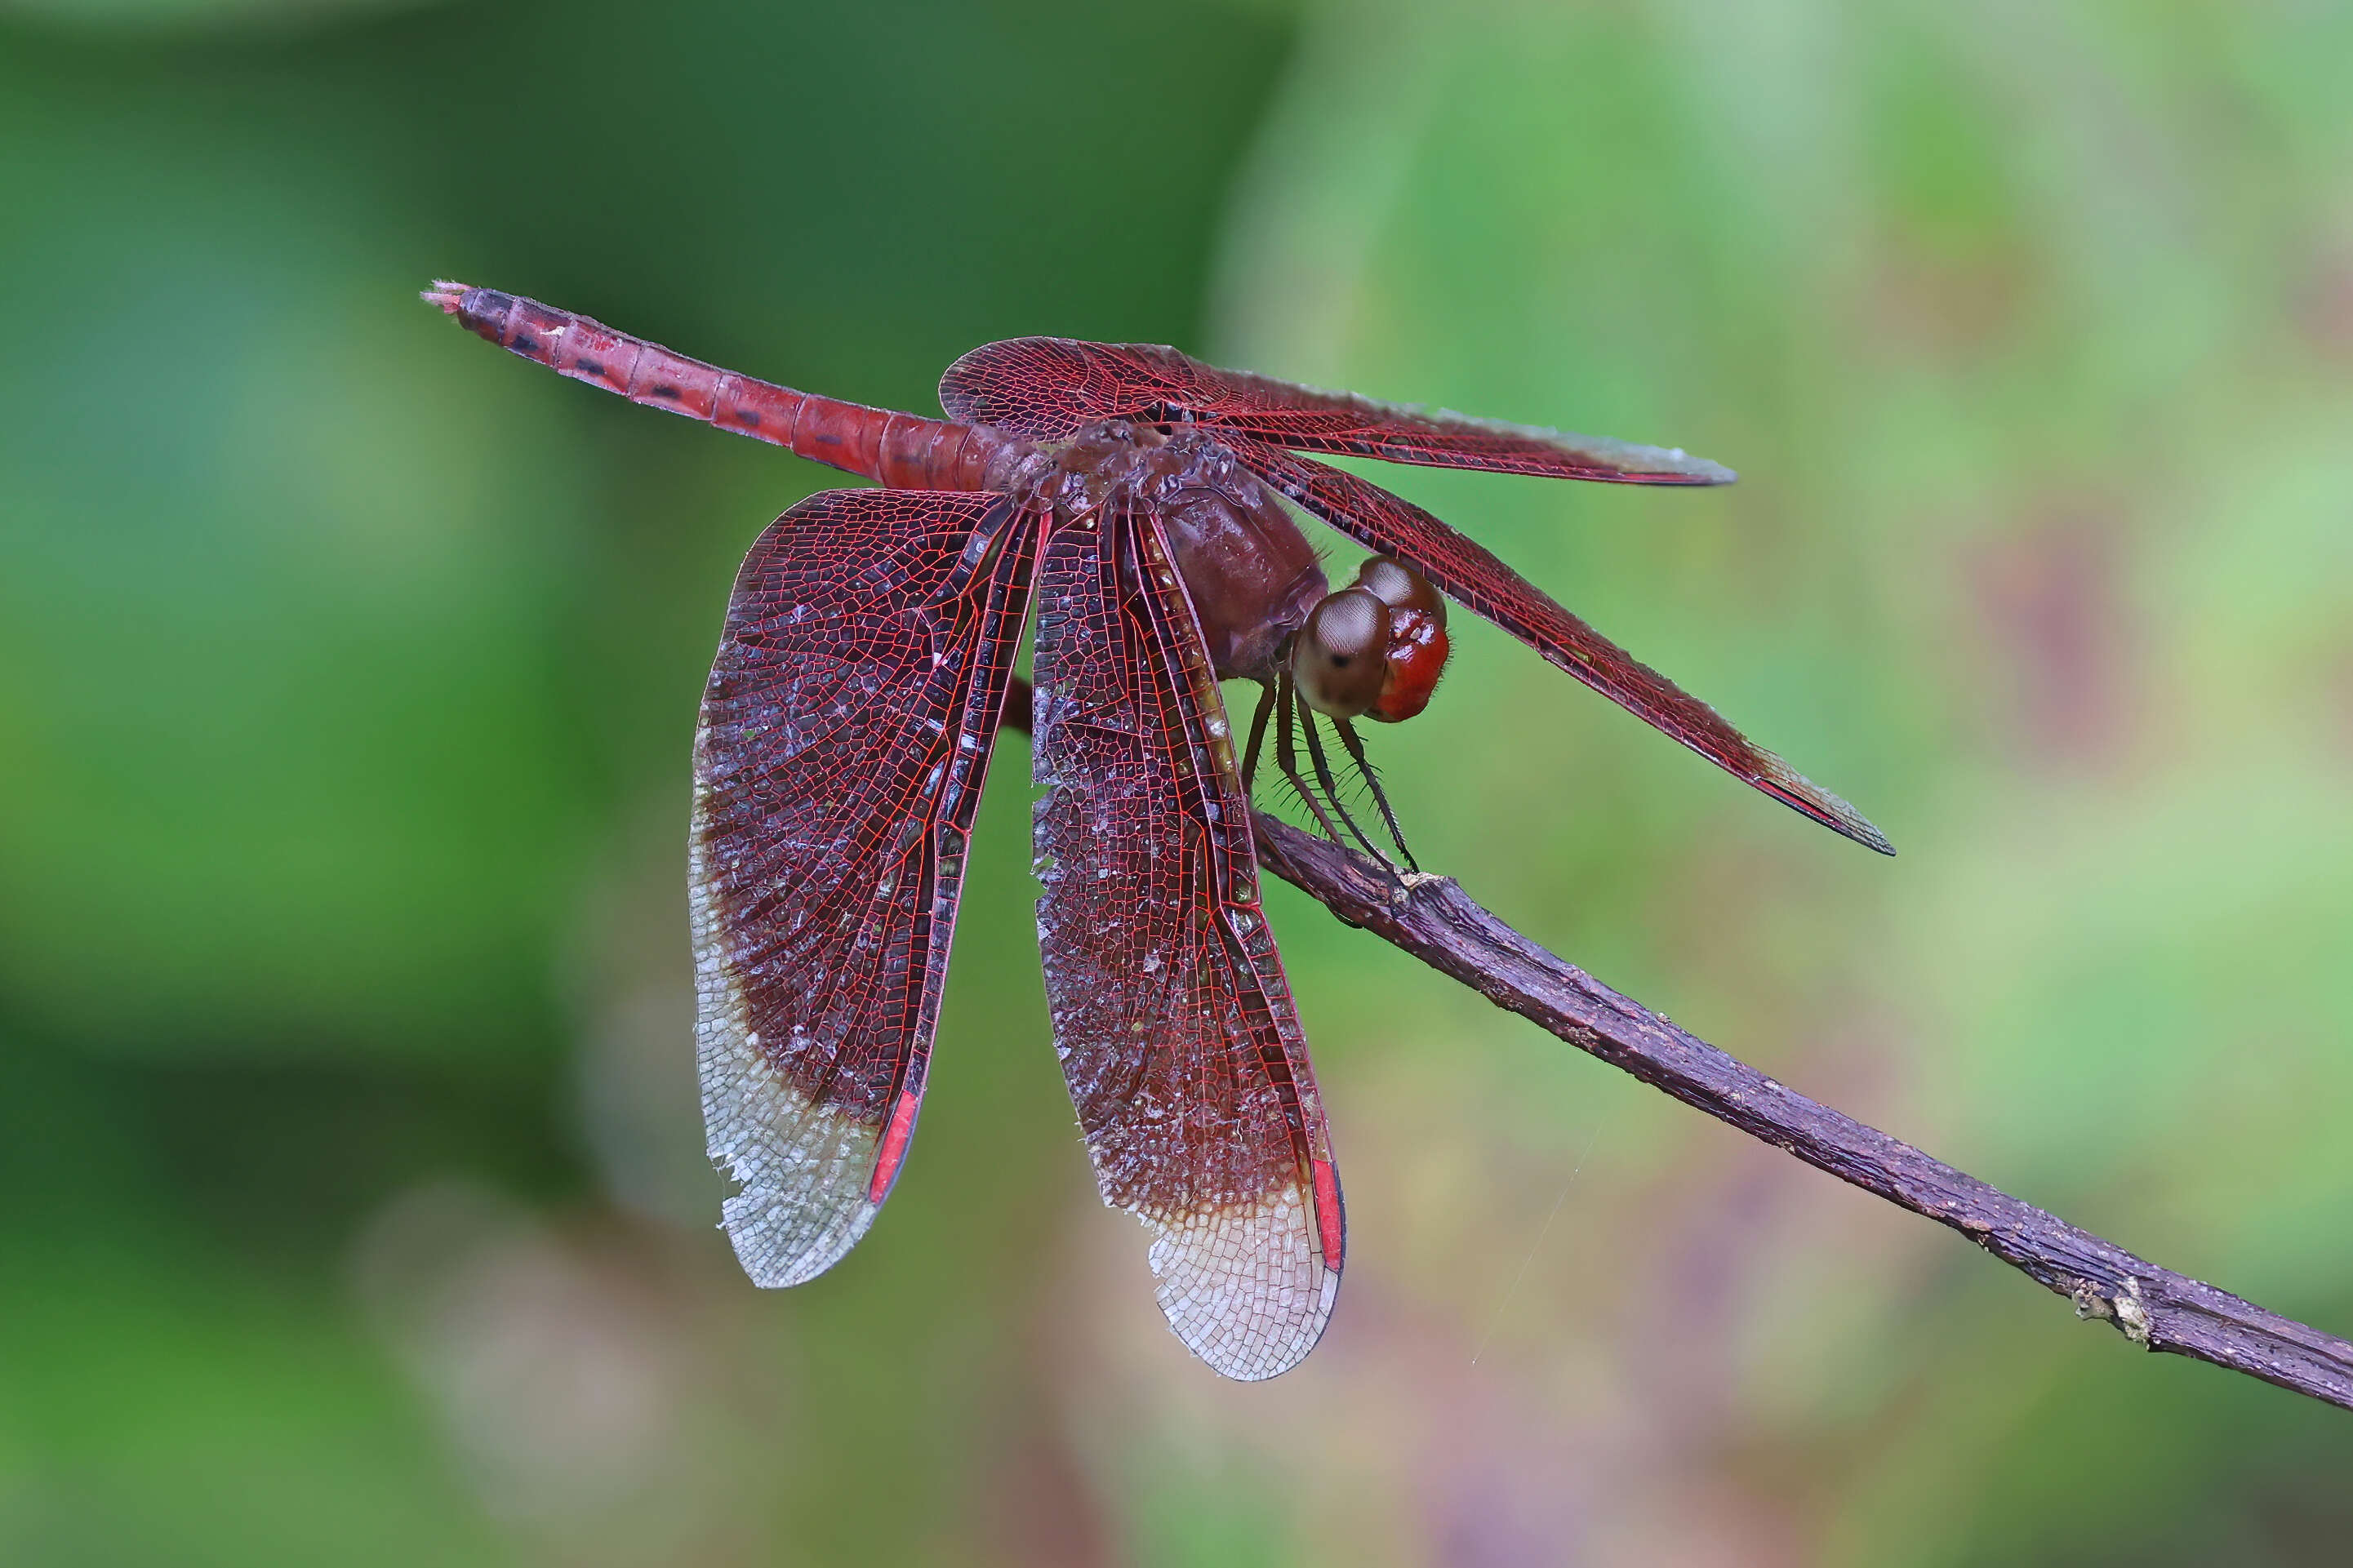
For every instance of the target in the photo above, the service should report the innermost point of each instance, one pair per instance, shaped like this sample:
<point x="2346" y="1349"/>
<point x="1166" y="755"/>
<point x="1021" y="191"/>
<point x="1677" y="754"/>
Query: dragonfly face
<point x="1376" y="648"/>
<point x="1132" y="500"/>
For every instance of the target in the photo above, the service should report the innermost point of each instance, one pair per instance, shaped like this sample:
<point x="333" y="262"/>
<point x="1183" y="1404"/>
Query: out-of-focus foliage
<point x="351" y="1200"/>
<point x="185" y="16"/>
<point x="2030" y="330"/>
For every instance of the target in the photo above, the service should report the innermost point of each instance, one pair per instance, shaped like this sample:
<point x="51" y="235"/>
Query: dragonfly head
<point x="1375" y="647"/>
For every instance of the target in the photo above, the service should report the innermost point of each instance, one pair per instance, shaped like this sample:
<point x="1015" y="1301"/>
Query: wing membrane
<point x="1046" y="388"/>
<point x="1464" y="570"/>
<point x="1172" y="1017"/>
<point x="845" y="733"/>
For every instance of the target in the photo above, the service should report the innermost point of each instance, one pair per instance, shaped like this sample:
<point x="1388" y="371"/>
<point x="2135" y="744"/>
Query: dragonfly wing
<point x="844" y="736"/>
<point x="1172" y="1017"/>
<point x="1466" y="571"/>
<point x="1046" y="388"/>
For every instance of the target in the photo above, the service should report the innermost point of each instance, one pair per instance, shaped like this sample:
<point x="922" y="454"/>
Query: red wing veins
<point x="1172" y="1017"/>
<point x="1464" y="570"/>
<point x="845" y="733"/>
<point x="1047" y="388"/>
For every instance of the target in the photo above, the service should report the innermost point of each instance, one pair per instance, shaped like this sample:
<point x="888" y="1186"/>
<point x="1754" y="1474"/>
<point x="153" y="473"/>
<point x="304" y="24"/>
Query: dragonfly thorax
<point x="1250" y="573"/>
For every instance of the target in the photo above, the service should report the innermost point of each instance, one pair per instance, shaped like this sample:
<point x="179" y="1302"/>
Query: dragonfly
<point x="1137" y="504"/>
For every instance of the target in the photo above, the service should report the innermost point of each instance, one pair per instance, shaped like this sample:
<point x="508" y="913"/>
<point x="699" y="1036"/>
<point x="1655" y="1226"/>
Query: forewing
<point x="1046" y="388"/>
<point x="845" y="733"/>
<point x="1172" y="1017"/>
<point x="1466" y="571"/>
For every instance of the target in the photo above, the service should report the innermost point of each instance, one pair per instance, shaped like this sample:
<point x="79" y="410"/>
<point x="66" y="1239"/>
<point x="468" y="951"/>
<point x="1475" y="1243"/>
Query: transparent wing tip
<point x="1793" y="789"/>
<point x="1634" y="462"/>
<point x="1668" y="465"/>
<point x="806" y="1169"/>
<point x="1246" y="1287"/>
<point x="1703" y="472"/>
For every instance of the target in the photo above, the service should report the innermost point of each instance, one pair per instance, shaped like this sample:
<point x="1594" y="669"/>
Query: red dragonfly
<point x="1132" y="498"/>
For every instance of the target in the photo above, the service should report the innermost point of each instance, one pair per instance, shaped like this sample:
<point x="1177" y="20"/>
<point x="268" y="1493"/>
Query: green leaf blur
<point x="351" y="1203"/>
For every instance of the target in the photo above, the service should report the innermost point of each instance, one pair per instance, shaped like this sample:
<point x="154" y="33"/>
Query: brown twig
<point x="1439" y="923"/>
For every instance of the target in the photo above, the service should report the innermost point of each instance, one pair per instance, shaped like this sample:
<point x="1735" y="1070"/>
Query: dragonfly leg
<point x="1286" y="760"/>
<point x="1257" y="734"/>
<point x="1373" y="780"/>
<point x="1332" y="789"/>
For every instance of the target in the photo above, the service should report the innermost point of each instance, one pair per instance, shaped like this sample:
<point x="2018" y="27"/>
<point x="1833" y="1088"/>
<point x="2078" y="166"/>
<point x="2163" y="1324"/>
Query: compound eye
<point x="1400" y="587"/>
<point x="1418" y="647"/>
<point x="1340" y="658"/>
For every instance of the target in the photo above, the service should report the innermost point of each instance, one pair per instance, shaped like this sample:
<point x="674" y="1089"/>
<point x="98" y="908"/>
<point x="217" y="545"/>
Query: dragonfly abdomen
<point x="904" y="451"/>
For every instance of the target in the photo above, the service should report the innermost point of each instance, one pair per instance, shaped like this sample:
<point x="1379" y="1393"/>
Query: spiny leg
<point x="1257" y="734"/>
<point x="1373" y="780"/>
<point x="1286" y="761"/>
<point x="1331" y="789"/>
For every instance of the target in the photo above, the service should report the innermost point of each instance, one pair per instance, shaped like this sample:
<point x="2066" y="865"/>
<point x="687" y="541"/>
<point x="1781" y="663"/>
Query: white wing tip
<point x="1246" y="1287"/>
<point x="805" y="1169"/>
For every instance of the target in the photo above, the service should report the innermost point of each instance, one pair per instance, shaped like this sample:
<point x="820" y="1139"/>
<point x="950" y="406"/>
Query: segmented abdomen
<point x="902" y="451"/>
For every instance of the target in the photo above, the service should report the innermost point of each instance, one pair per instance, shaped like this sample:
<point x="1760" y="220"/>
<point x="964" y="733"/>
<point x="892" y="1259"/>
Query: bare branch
<point x="1439" y="925"/>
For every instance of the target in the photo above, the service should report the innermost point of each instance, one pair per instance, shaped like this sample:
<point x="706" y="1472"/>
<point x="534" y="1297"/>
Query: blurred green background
<point x="352" y="1204"/>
